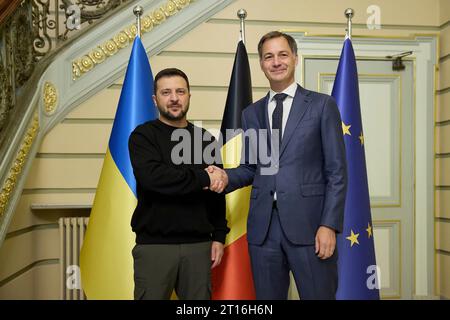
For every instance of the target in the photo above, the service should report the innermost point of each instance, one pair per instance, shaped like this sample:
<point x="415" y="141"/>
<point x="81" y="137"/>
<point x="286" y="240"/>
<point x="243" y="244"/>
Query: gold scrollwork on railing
<point x="19" y="162"/>
<point x="50" y="98"/>
<point x="123" y="39"/>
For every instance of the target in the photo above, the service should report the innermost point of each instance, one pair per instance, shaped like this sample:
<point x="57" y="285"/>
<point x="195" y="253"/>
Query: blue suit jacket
<point x="311" y="177"/>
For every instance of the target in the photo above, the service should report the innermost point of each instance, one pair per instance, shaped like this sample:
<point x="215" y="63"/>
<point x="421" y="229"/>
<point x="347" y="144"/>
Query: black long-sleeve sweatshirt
<point x="173" y="206"/>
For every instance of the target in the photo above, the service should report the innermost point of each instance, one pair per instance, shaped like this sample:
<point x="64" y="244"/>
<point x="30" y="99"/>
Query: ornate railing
<point x="35" y="29"/>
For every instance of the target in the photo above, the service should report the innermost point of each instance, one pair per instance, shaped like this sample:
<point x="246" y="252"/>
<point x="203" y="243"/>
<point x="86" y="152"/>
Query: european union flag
<point x="358" y="274"/>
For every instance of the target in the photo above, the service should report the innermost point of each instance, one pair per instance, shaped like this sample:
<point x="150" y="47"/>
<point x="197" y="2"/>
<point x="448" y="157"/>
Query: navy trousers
<point x="271" y="262"/>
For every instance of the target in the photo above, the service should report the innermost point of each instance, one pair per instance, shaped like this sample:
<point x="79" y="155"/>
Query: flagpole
<point x="242" y="14"/>
<point x="349" y="13"/>
<point x="115" y="196"/>
<point x="233" y="279"/>
<point x="138" y="11"/>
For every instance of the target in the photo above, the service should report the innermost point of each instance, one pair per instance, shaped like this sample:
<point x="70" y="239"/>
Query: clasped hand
<point x="218" y="179"/>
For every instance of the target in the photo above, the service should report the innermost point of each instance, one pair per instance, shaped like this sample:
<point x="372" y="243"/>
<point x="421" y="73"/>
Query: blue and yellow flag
<point x="358" y="276"/>
<point x="105" y="260"/>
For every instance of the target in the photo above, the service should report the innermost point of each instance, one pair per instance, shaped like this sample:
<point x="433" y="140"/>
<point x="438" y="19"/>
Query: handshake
<point x="218" y="179"/>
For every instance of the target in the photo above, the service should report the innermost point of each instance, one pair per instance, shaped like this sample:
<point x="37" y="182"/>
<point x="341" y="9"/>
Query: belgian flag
<point x="232" y="279"/>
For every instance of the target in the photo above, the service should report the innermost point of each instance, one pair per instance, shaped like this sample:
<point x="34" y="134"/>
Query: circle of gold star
<point x="361" y="138"/>
<point x="369" y="230"/>
<point x="353" y="238"/>
<point x="346" y="129"/>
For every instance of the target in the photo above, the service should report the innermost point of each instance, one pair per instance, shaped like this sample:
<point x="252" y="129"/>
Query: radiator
<point x="71" y="232"/>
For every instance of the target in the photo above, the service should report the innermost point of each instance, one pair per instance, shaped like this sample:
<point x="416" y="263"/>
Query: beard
<point x="165" y="113"/>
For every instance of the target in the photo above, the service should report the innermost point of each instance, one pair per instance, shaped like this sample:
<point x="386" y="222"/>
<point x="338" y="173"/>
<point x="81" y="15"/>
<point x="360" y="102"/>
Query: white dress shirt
<point x="287" y="104"/>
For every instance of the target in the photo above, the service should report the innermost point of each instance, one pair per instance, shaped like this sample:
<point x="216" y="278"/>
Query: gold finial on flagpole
<point x="138" y="11"/>
<point x="349" y="13"/>
<point x="242" y="14"/>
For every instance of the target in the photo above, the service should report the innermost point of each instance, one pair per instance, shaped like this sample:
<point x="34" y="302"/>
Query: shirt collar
<point x="290" y="91"/>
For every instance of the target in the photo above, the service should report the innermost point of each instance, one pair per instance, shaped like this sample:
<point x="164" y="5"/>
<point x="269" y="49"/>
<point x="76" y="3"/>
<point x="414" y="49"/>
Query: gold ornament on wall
<point x="50" y="98"/>
<point x="125" y="37"/>
<point x="19" y="162"/>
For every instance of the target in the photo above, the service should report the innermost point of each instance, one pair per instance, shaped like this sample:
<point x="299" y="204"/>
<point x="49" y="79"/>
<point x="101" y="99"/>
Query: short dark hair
<point x="277" y="34"/>
<point x="167" y="73"/>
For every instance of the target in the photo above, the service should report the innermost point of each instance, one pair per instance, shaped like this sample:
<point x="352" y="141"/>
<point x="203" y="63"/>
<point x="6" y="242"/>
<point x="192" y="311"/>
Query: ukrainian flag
<point x="105" y="260"/>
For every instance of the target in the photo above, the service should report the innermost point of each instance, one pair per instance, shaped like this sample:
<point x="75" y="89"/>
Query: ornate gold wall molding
<point x="19" y="162"/>
<point x="123" y="39"/>
<point x="50" y="98"/>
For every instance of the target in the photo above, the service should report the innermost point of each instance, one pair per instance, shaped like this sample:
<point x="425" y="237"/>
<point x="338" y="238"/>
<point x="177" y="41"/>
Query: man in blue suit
<point x="297" y="201"/>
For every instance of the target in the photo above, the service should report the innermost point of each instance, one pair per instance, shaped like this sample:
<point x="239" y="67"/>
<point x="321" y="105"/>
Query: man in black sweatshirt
<point x="180" y="225"/>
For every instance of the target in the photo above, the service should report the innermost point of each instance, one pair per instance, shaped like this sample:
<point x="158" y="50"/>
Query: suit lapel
<point x="263" y="118"/>
<point x="299" y="106"/>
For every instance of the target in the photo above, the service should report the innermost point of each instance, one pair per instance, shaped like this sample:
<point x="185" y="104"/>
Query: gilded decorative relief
<point x="19" y="162"/>
<point x="50" y="98"/>
<point x="123" y="39"/>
